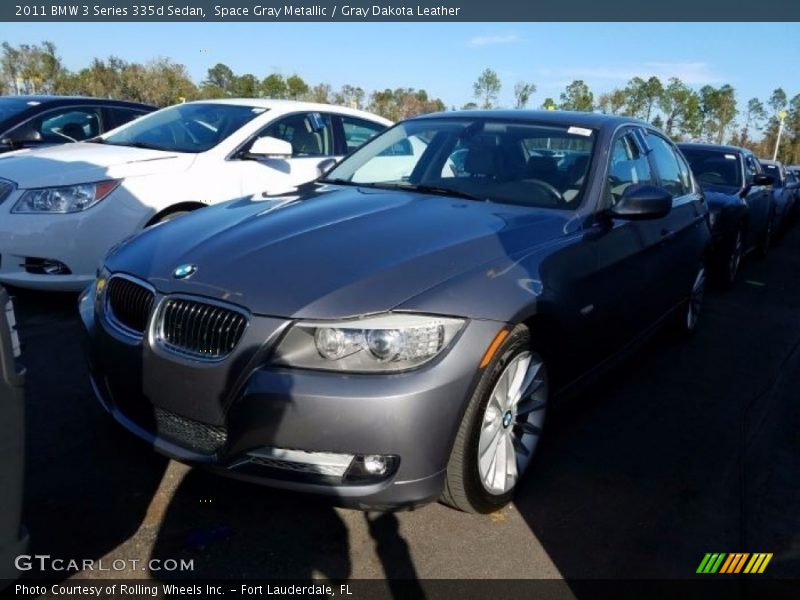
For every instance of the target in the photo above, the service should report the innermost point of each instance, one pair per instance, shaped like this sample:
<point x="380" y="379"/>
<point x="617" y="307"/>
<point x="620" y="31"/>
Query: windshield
<point x="714" y="167"/>
<point x="482" y="158"/>
<point x="12" y="106"/>
<point x="184" y="127"/>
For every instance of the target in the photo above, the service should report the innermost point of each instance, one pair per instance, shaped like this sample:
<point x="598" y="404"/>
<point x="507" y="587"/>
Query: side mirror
<point x="325" y="166"/>
<point x="270" y="147"/>
<point x="641" y="202"/>
<point x="763" y="179"/>
<point x="19" y="137"/>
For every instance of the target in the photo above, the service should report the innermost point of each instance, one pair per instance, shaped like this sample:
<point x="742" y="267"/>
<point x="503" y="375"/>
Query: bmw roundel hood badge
<point x="184" y="271"/>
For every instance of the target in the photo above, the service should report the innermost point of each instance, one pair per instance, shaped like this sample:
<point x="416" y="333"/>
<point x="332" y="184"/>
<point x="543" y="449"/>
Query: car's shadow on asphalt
<point x="233" y="529"/>
<point x="88" y="484"/>
<point x="686" y="448"/>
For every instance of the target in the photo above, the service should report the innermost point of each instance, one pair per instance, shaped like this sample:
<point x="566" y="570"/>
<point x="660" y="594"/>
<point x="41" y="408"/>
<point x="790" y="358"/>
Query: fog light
<point x="45" y="266"/>
<point x="371" y="467"/>
<point x="375" y="464"/>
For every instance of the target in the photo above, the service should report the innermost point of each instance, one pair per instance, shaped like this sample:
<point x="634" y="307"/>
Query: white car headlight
<point x="390" y="342"/>
<point x="64" y="199"/>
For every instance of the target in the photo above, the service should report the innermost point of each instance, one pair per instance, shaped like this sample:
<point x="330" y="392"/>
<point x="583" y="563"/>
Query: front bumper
<point x="412" y="416"/>
<point x="78" y="240"/>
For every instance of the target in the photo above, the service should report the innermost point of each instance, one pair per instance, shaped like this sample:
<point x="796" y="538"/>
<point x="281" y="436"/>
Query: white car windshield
<point x="194" y="127"/>
<point x="498" y="160"/>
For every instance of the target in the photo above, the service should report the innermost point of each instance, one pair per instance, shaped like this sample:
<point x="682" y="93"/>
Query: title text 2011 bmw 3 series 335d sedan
<point x="394" y="332"/>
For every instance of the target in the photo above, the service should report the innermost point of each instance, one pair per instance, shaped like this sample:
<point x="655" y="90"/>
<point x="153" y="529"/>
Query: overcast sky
<point x="445" y="59"/>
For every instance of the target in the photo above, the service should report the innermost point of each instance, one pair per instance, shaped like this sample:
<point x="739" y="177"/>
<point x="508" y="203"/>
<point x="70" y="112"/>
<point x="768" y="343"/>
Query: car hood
<point x="85" y="162"/>
<point x="333" y="252"/>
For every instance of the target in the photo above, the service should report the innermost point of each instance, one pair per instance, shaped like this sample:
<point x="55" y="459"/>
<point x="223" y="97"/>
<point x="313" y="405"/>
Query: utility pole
<point x="782" y="117"/>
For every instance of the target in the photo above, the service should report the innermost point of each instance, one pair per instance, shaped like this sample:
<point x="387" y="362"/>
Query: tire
<point x="766" y="241"/>
<point x="170" y="216"/>
<point x="687" y="317"/>
<point x="479" y="486"/>
<point x="732" y="261"/>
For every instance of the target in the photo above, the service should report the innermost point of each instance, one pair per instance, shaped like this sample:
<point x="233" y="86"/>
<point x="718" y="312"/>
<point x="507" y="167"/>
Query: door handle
<point x="667" y="234"/>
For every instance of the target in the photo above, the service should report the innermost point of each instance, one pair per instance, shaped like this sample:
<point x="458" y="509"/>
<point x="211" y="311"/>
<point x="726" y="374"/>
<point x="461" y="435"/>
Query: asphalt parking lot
<point x="686" y="449"/>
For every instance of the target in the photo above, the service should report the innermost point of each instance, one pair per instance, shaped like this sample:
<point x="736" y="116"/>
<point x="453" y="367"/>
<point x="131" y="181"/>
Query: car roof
<point x="293" y="105"/>
<point x="557" y="117"/>
<point x="41" y="99"/>
<point x="718" y="147"/>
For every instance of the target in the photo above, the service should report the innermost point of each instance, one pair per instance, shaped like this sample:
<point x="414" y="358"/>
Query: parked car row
<point x="387" y="329"/>
<point x="749" y="201"/>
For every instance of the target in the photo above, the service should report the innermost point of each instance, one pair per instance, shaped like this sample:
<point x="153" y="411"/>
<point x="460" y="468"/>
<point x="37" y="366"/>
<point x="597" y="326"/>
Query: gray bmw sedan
<point x="394" y="332"/>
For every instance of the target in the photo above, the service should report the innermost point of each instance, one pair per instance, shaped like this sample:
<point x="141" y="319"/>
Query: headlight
<point x="390" y="342"/>
<point x="64" y="199"/>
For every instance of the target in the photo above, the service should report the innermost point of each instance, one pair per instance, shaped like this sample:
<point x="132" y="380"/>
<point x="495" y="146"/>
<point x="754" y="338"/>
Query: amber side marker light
<point x="492" y="349"/>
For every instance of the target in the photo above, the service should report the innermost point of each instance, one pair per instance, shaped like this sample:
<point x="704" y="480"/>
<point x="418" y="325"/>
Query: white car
<point x="63" y="208"/>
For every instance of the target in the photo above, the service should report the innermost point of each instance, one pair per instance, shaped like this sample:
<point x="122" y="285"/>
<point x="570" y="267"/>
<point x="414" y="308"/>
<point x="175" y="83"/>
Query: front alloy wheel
<point x="735" y="258"/>
<point x="695" y="303"/>
<point x="501" y="428"/>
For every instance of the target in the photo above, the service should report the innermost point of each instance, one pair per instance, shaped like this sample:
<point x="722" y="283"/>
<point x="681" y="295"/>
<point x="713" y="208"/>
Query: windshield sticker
<point x="730" y="156"/>
<point x="33" y="103"/>
<point x="258" y="110"/>
<point x="579" y="131"/>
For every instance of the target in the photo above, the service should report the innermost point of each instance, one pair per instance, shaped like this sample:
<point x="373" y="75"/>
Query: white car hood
<point x="85" y="162"/>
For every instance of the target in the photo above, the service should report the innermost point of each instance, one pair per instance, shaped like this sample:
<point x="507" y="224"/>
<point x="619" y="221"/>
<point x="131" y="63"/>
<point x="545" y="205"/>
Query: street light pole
<point x="782" y="116"/>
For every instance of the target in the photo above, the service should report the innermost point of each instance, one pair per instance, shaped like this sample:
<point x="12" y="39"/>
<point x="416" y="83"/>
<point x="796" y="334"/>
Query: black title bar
<point x="395" y="10"/>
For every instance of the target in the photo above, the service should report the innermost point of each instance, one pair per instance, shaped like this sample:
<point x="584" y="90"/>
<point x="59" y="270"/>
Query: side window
<point x="66" y="125"/>
<point x="628" y="167"/>
<point x="685" y="173"/>
<point x="310" y="134"/>
<point x="120" y="116"/>
<point x="750" y="168"/>
<point x="667" y="165"/>
<point x="358" y="131"/>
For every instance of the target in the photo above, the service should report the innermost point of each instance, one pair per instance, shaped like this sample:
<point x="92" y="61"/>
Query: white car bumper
<point x="78" y="240"/>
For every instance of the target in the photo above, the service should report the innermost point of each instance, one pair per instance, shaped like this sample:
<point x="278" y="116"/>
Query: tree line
<point x="37" y="69"/>
<point x="683" y="112"/>
<point x="709" y="114"/>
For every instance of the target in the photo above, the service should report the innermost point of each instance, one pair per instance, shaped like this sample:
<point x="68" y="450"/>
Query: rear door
<point x="683" y="234"/>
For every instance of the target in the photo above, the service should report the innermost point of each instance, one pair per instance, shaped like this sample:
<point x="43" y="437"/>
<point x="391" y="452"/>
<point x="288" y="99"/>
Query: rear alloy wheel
<point x="501" y="428"/>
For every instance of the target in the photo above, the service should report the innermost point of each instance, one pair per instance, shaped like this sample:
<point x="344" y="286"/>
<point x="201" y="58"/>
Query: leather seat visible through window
<point x="74" y="131"/>
<point x="306" y="143"/>
<point x="545" y="169"/>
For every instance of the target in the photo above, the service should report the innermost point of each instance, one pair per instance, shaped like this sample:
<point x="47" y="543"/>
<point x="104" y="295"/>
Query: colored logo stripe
<point x="710" y="563"/>
<point x="758" y="563"/>
<point x="721" y="562"/>
<point x="736" y="564"/>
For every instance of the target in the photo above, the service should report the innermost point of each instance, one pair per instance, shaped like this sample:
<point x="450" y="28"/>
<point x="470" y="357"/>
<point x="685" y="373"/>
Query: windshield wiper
<point x="142" y="145"/>
<point x="435" y="189"/>
<point x="339" y="181"/>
